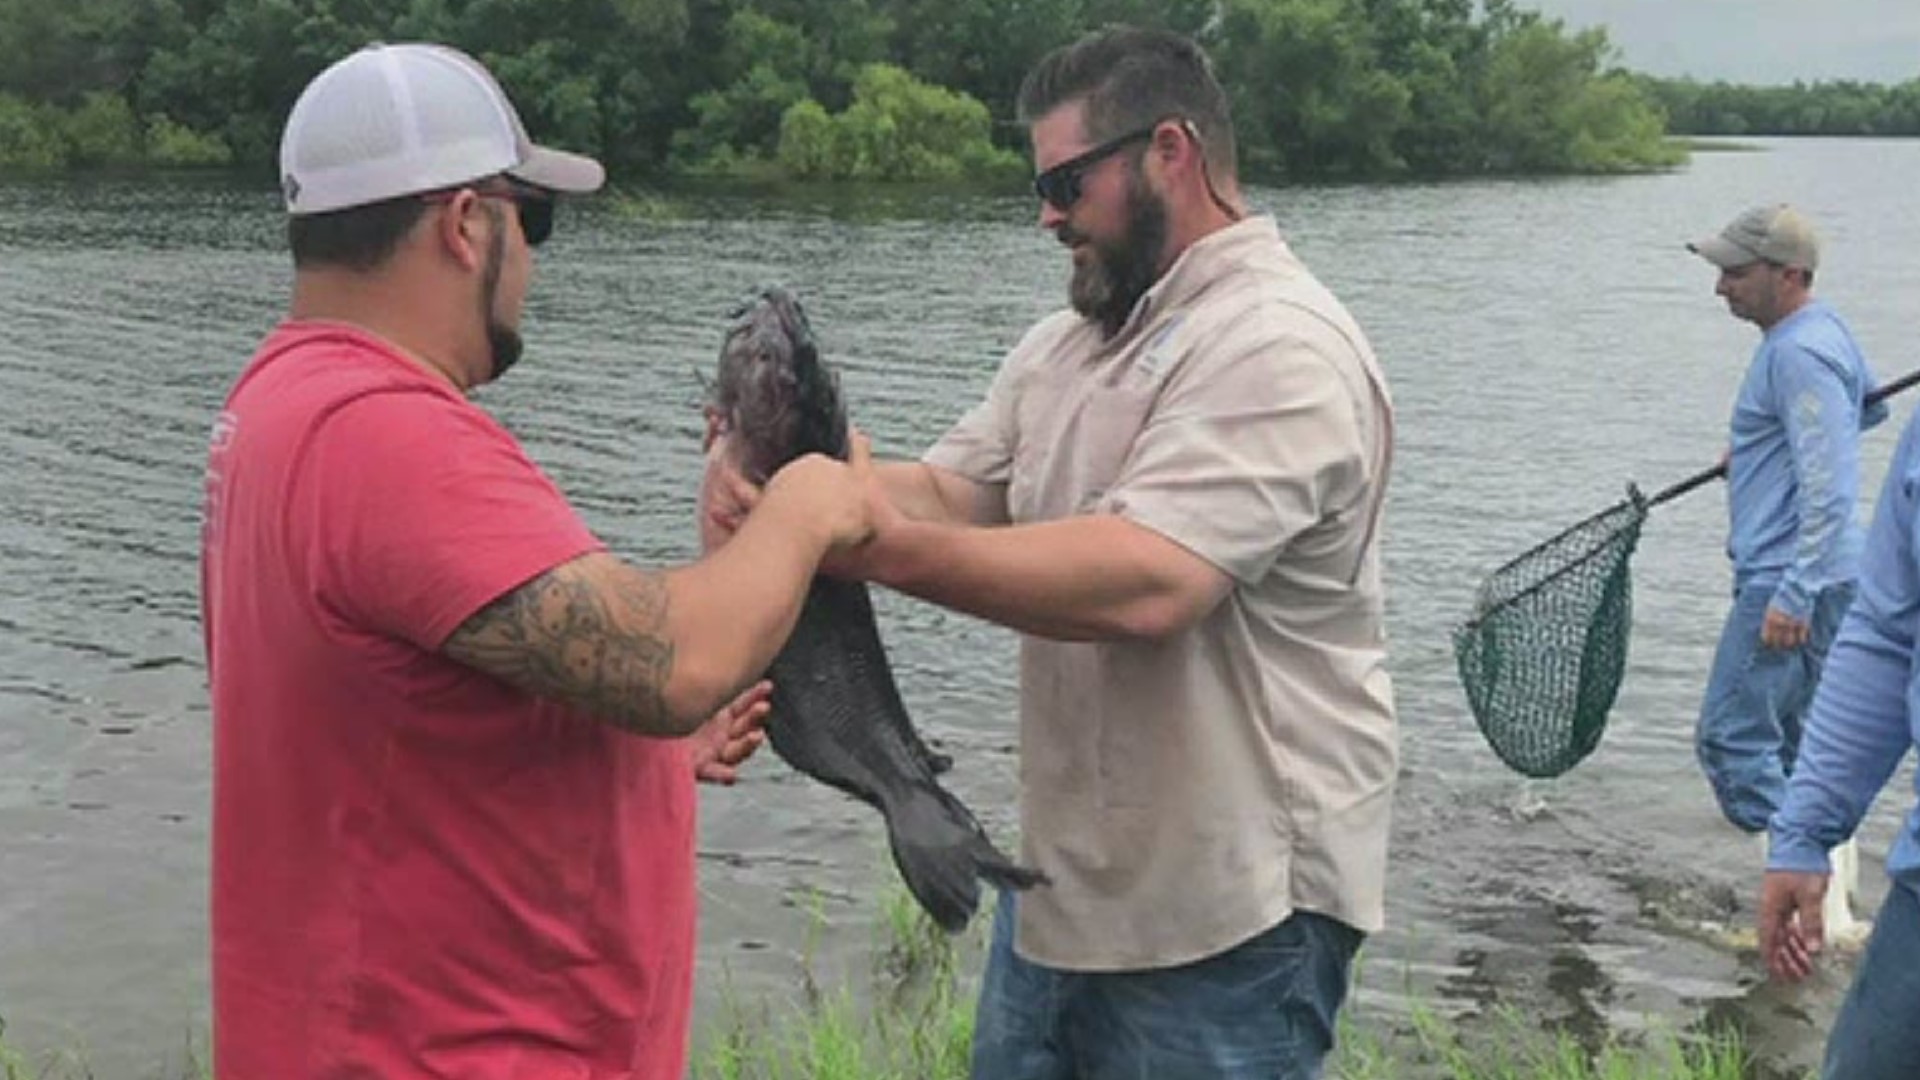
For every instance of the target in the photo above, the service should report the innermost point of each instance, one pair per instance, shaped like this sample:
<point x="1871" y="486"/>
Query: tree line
<point x="1823" y="108"/>
<point x="833" y="89"/>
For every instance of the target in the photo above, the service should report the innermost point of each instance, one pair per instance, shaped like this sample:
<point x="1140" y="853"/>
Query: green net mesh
<point x="1544" y="651"/>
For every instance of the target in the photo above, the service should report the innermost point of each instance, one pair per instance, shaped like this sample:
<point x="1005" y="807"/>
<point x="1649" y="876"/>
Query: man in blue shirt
<point x="1793" y="473"/>
<point x="1864" y="719"/>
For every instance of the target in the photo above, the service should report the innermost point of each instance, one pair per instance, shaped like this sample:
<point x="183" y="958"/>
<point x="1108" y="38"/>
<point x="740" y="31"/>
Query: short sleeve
<point x="412" y="510"/>
<point x="980" y="446"/>
<point x="1240" y="457"/>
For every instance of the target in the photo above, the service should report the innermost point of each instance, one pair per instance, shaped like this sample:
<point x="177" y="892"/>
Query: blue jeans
<point x="1756" y="703"/>
<point x="1877" y="1034"/>
<point x="1263" y="1009"/>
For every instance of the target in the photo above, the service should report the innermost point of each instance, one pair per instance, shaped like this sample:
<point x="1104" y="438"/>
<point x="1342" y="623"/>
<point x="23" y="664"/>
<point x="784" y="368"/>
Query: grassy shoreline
<point x="913" y="1020"/>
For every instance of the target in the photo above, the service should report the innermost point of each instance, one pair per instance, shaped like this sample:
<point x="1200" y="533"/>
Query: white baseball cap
<point x="395" y="120"/>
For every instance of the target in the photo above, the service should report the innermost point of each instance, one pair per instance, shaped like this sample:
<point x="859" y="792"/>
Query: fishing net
<point x="1544" y="651"/>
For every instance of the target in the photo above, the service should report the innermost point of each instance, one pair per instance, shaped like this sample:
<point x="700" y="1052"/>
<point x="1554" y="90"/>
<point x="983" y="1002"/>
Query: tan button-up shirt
<point x="1188" y="793"/>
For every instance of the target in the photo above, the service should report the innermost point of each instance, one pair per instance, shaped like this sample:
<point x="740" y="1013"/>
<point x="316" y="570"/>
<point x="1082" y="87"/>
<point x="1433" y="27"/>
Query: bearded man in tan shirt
<point x="1173" y="490"/>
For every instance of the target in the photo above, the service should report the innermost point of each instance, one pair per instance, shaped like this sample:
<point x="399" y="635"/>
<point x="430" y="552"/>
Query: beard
<point x="1106" y="287"/>
<point x="504" y="344"/>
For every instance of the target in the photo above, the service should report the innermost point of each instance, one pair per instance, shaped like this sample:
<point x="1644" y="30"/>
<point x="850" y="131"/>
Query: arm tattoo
<point x="595" y="641"/>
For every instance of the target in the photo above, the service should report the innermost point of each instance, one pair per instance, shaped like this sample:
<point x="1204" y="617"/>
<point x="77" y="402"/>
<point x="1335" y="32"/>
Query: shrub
<point x="27" y="139"/>
<point x="102" y="131"/>
<point x="176" y="146"/>
<point x="897" y="128"/>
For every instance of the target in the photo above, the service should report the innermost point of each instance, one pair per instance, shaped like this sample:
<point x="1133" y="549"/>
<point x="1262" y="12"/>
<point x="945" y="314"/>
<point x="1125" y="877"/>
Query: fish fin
<point x="935" y="761"/>
<point x="1008" y="874"/>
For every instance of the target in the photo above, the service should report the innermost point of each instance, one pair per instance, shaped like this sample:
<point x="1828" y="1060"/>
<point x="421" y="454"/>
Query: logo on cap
<point x="290" y="187"/>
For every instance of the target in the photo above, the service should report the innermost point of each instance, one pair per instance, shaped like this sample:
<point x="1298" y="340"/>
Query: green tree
<point x="809" y="138"/>
<point x="606" y="77"/>
<point x="742" y="120"/>
<point x="174" y="146"/>
<point x="57" y="50"/>
<point x="1549" y="109"/>
<point x="102" y="131"/>
<point x="1845" y="107"/>
<point x="982" y="48"/>
<point x="1308" y="93"/>
<point x="844" y="37"/>
<point x="238" y="77"/>
<point x="1617" y="129"/>
<point x="897" y="128"/>
<point x="1439" y="52"/>
<point x="27" y="139"/>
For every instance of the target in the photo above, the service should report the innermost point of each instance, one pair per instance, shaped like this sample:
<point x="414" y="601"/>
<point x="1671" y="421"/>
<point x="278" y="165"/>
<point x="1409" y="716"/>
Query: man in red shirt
<point x="455" y="740"/>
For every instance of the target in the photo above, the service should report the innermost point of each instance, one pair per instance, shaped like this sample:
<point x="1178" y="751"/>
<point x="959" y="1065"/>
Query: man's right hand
<point x="828" y="494"/>
<point x="1779" y="630"/>
<point x="1791" y="929"/>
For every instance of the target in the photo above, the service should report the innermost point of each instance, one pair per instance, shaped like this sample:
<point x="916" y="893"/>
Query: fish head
<point x="774" y="397"/>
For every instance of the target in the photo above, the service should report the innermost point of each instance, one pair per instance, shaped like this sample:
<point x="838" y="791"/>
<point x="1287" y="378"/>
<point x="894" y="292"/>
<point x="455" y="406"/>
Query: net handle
<point x="1707" y="476"/>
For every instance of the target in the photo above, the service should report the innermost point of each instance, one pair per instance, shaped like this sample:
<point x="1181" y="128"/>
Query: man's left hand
<point x="1782" y="631"/>
<point x="731" y="735"/>
<point x="725" y="496"/>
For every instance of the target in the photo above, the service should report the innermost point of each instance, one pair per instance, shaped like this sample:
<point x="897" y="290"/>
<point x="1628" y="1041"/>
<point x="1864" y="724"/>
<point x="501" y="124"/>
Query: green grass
<point x="912" y="1019"/>
<point x="1510" y="1047"/>
<point x="70" y="1064"/>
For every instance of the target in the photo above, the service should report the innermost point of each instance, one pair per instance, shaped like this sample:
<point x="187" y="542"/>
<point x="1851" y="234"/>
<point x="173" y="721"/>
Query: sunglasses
<point x="1060" y="185"/>
<point x="533" y="206"/>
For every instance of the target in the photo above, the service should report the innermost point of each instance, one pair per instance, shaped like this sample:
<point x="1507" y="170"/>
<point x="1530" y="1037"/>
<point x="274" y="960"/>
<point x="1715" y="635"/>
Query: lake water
<point x="1547" y="341"/>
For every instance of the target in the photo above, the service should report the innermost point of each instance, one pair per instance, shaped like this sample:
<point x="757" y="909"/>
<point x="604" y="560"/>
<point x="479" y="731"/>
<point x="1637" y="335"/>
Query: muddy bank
<point x="1582" y="928"/>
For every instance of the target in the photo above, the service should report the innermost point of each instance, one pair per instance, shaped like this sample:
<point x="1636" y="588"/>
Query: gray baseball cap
<point x="1777" y="234"/>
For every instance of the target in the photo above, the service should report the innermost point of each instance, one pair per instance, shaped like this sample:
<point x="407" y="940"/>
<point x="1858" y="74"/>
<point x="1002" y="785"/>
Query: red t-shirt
<point x="418" y="871"/>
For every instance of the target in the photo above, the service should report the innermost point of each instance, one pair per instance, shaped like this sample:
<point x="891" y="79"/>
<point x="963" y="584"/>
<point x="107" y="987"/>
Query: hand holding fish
<point x="834" y="493"/>
<point x="726" y="496"/>
<point x="731" y="736"/>
<point x="862" y="562"/>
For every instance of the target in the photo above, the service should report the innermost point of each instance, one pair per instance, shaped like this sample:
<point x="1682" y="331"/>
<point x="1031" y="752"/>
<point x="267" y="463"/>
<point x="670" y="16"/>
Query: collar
<point x="1204" y="262"/>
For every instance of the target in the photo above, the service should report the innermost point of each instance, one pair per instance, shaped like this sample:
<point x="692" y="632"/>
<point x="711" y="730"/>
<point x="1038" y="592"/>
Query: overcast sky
<point x="1756" y="41"/>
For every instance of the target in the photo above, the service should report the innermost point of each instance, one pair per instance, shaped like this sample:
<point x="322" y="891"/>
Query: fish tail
<point x="941" y="878"/>
<point x="943" y="853"/>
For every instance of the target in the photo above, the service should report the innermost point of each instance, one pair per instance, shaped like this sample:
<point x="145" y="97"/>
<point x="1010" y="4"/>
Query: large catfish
<point x="837" y="715"/>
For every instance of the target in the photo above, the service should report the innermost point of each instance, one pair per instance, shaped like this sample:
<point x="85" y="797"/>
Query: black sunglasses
<point x="533" y="206"/>
<point x="1060" y="185"/>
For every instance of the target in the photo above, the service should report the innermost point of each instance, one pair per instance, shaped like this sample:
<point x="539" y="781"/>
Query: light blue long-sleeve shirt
<point x="1793" y="476"/>
<point x="1866" y="713"/>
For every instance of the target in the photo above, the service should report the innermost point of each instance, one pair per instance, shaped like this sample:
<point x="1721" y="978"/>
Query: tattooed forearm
<point x="592" y="633"/>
